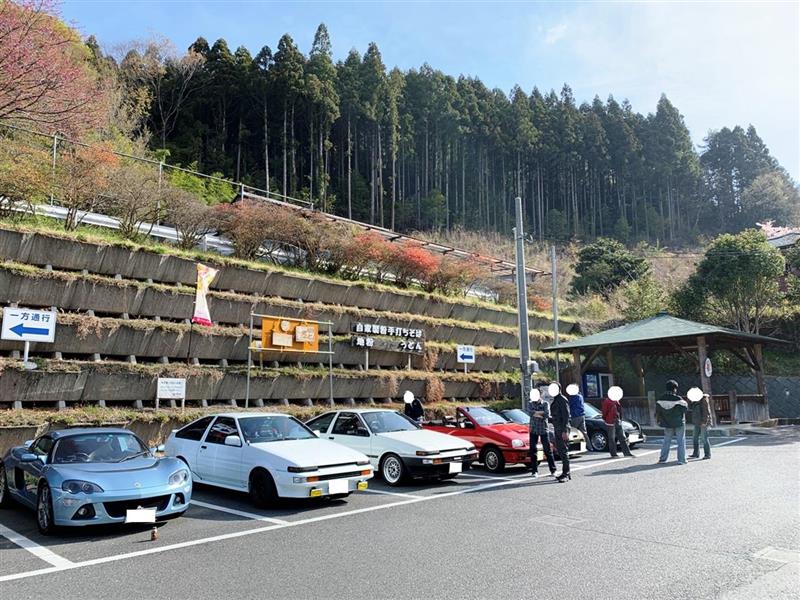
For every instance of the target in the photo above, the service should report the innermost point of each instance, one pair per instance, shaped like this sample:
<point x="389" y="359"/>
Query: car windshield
<point x="590" y="411"/>
<point x="484" y="416"/>
<point x="98" y="447"/>
<point x="517" y="415"/>
<point x="275" y="428"/>
<point x="386" y="421"/>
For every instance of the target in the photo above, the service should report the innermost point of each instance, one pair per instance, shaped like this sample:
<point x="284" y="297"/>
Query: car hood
<point x="138" y="473"/>
<point x="426" y="440"/>
<point x="510" y="430"/>
<point x="311" y="452"/>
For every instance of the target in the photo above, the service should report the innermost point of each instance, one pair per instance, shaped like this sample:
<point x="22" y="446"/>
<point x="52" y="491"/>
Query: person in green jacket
<point x="671" y="415"/>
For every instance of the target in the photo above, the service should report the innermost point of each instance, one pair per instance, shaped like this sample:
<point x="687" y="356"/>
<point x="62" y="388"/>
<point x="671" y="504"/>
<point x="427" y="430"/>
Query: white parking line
<point x="34" y="548"/>
<point x="67" y="565"/>
<point x="399" y="494"/>
<point x="239" y="513"/>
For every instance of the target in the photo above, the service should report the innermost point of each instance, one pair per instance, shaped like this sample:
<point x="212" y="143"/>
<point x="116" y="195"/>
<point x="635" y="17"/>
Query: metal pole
<point x="522" y="305"/>
<point x="330" y="361"/>
<point x="249" y="363"/>
<point x="25" y="353"/>
<point x="158" y="201"/>
<point x="554" y="277"/>
<point x="55" y="150"/>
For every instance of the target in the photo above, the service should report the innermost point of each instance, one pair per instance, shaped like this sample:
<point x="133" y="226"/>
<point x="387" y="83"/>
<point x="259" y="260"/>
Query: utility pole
<point x="554" y="278"/>
<point x="522" y="305"/>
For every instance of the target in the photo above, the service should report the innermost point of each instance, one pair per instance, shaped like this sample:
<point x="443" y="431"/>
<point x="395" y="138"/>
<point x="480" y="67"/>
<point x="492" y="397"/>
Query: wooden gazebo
<point x="664" y="334"/>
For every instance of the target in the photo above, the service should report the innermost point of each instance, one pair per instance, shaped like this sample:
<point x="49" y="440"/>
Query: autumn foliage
<point x="45" y="77"/>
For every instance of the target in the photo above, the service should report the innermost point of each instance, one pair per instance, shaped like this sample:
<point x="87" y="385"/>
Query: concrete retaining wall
<point x="72" y="255"/>
<point x="145" y="301"/>
<point x="102" y="383"/>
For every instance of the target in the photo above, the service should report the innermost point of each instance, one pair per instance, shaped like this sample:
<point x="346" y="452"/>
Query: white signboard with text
<point x="171" y="388"/>
<point x="26" y="325"/>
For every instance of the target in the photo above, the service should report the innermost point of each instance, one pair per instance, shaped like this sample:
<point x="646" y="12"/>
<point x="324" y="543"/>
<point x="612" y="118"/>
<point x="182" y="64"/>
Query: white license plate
<point x="141" y="515"/>
<point x="455" y="467"/>
<point x="633" y="438"/>
<point x="338" y="486"/>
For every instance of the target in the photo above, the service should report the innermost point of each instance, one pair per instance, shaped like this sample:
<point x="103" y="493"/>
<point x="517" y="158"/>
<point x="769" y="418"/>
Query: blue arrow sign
<point x="21" y="330"/>
<point x="466" y="357"/>
<point x="465" y="354"/>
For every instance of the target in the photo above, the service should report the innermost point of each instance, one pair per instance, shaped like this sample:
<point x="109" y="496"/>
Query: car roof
<point x="239" y="415"/>
<point x="62" y="433"/>
<point x="361" y="410"/>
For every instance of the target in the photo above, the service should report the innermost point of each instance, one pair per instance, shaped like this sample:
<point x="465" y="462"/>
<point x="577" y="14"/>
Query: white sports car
<point x="395" y="444"/>
<point x="268" y="455"/>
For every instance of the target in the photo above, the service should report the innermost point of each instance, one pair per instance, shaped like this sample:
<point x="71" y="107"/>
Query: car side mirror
<point x="317" y="432"/>
<point x="159" y="448"/>
<point x="362" y="432"/>
<point x="233" y="440"/>
<point x="467" y="425"/>
<point x="28" y="443"/>
<point x="28" y="457"/>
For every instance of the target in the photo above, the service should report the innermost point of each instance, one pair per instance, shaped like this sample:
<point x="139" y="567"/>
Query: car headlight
<point x="77" y="486"/>
<point x="517" y="443"/>
<point x="427" y="452"/>
<point x="363" y="462"/>
<point x="179" y="477"/>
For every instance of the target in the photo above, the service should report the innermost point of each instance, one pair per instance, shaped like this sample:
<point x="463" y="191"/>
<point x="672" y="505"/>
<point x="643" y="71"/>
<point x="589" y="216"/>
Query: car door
<point x="217" y="462"/>
<point x="468" y="429"/>
<point x="186" y="441"/>
<point x="321" y="423"/>
<point x="349" y="429"/>
<point x="27" y="474"/>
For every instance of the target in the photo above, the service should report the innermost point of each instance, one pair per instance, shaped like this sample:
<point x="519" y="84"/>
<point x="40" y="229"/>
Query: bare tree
<point x="191" y="217"/>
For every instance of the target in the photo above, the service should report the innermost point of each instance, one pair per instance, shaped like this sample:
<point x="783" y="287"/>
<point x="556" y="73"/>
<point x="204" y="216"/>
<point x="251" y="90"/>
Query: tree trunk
<point x="349" y="172"/>
<point x="285" y="157"/>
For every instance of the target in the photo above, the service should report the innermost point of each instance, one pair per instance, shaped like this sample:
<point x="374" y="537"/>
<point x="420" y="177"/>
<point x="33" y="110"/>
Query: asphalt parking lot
<point x="724" y="528"/>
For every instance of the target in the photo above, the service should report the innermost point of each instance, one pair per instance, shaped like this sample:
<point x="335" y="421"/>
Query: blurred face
<point x="553" y="389"/>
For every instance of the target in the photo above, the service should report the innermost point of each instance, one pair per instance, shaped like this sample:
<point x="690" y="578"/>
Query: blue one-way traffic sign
<point x="25" y="325"/>
<point x="465" y="354"/>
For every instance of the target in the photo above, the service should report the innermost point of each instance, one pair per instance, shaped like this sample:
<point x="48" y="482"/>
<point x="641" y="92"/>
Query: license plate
<point x="338" y="486"/>
<point x="634" y="437"/>
<point x="455" y="467"/>
<point x="141" y="515"/>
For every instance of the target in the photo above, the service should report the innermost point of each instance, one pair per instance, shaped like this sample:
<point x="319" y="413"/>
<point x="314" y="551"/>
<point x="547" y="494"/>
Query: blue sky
<point x="721" y="63"/>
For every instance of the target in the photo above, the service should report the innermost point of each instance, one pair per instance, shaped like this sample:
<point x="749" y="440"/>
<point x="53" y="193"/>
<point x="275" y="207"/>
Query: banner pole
<point x="330" y="361"/>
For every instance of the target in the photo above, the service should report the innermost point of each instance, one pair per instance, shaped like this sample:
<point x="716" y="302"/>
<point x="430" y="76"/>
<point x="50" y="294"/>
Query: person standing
<point x="559" y="409"/>
<point x="671" y="415"/>
<point x="413" y="407"/>
<point x="577" y="412"/>
<point x="612" y="417"/>
<point x="701" y="421"/>
<point x="540" y="416"/>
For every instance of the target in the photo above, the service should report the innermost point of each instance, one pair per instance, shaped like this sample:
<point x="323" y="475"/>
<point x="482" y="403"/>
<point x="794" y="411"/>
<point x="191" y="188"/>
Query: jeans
<point x="579" y="423"/>
<point x="615" y="433"/>
<point x="679" y="433"/>
<point x="548" y="452"/>
<point x="563" y="451"/>
<point x="701" y="431"/>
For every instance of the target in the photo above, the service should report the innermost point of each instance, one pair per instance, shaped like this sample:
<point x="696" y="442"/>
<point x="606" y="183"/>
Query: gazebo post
<point x="705" y="382"/>
<point x="761" y="386"/>
<point x="577" y="370"/>
<point x="637" y="365"/>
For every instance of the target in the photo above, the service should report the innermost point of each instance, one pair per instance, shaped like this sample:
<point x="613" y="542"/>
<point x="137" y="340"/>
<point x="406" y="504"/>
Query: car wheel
<point x="5" y="496"/>
<point x="44" y="510"/>
<point x="393" y="470"/>
<point x="599" y="441"/>
<point x="263" y="492"/>
<point x="493" y="460"/>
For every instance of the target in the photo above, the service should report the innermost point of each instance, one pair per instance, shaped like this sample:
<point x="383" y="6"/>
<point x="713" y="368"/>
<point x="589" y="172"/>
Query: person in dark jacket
<point x="612" y="417"/>
<point x="671" y="415"/>
<point x="413" y="407"/>
<point x="701" y="421"/>
<point x="539" y="411"/>
<point x="559" y="410"/>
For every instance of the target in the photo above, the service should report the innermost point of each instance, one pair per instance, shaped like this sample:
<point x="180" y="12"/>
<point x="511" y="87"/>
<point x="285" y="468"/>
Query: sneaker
<point x="681" y="463"/>
<point x="706" y="458"/>
<point x="534" y="474"/>
<point x="552" y="473"/>
<point x="661" y="462"/>
<point x="694" y="456"/>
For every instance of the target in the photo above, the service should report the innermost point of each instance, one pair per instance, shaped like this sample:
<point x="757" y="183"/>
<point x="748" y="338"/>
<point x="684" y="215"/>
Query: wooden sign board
<point x="281" y="334"/>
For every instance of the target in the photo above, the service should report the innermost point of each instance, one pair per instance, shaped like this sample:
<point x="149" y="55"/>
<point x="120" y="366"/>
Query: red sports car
<point x="498" y="441"/>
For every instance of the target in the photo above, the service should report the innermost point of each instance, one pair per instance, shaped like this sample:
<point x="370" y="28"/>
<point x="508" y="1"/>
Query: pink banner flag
<point x="205" y="275"/>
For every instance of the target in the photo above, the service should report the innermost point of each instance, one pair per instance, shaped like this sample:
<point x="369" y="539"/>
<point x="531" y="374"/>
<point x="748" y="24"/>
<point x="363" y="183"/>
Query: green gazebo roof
<point x="648" y="336"/>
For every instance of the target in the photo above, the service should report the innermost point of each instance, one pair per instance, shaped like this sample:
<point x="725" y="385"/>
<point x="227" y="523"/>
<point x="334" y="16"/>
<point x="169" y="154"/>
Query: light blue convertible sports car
<point x="93" y="476"/>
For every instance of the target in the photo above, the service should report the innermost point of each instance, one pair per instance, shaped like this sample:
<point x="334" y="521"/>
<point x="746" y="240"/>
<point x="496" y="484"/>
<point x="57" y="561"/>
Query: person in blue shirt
<point x="578" y="413"/>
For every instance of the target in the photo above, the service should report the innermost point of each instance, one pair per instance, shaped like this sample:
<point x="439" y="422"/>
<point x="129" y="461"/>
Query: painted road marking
<point x="38" y="551"/>
<point x="399" y="494"/>
<point x="67" y="565"/>
<point x="239" y="513"/>
<point x="780" y="555"/>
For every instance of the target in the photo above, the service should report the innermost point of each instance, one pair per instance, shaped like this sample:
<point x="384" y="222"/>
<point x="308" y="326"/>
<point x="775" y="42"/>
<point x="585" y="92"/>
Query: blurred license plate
<point x="141" y="515"/>
<point x="455" y="467"/>
<point x="338" y="486"/>
<point x="634" y="437"/>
